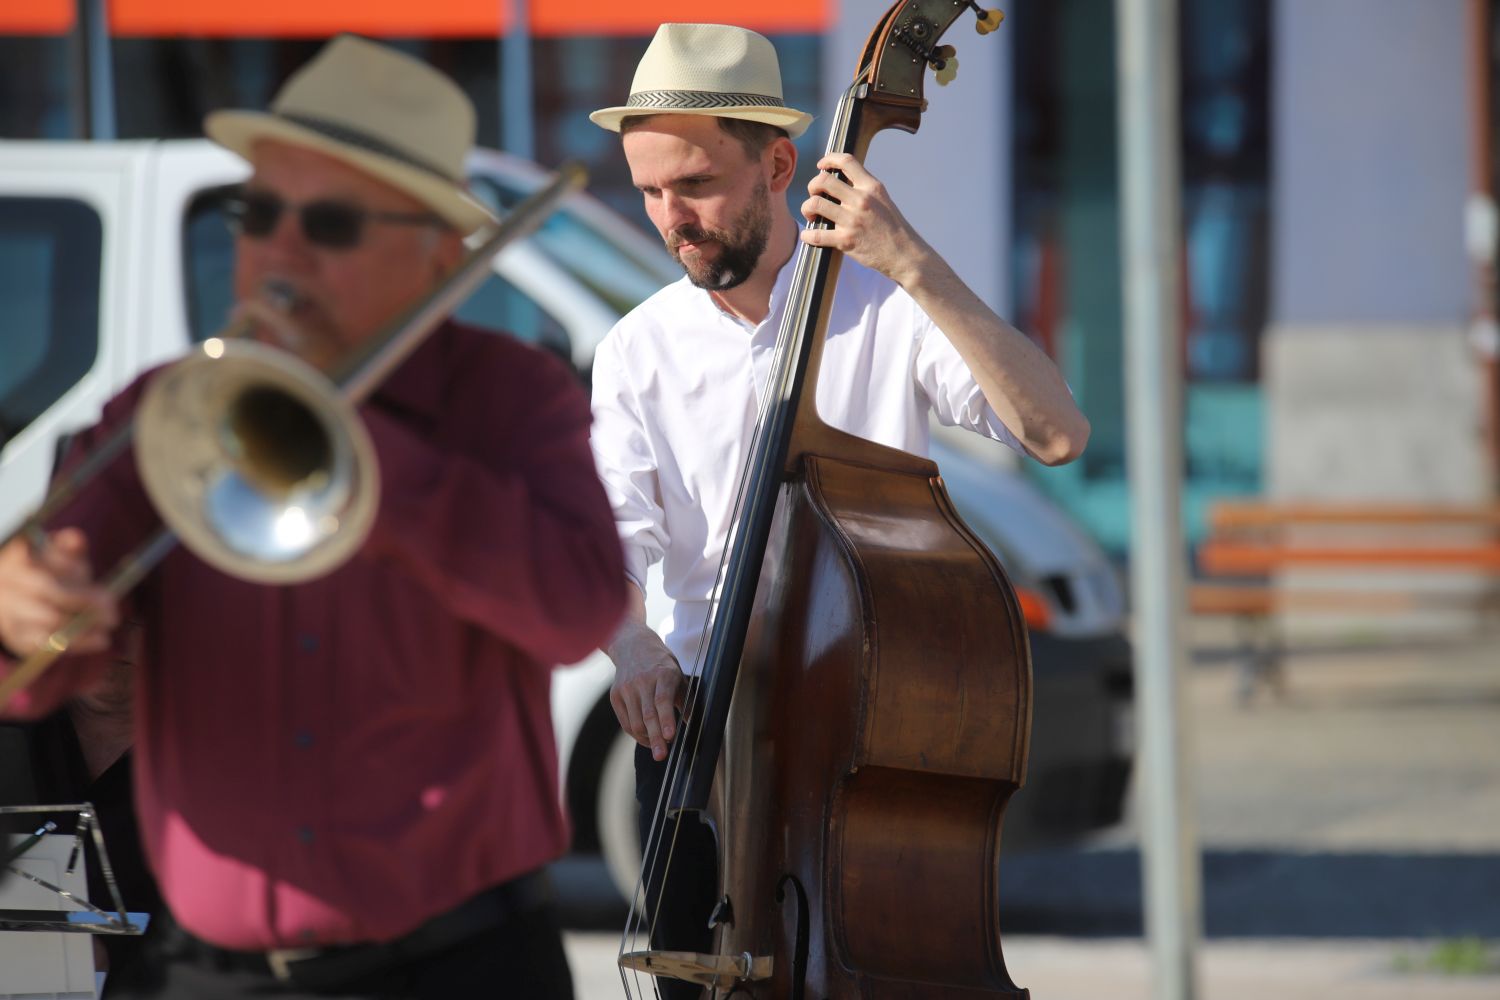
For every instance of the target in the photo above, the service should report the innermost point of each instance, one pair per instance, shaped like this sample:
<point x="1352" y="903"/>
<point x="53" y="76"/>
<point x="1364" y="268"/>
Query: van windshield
<point x="208" y="264"/>
<point x="607" y="268"/>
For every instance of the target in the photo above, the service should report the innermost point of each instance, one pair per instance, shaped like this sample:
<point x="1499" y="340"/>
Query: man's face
<point x="342" y="296"/>
<point x="707" y="198"/>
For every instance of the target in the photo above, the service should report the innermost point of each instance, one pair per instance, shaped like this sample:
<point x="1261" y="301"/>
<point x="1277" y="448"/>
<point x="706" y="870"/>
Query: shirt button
<point x="305" y="834"/>
<point x="308" y="642"/>
<point x="303" y="739"/>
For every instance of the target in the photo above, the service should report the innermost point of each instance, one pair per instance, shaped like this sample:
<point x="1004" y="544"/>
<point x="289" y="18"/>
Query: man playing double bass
<point x="676" y="384"/>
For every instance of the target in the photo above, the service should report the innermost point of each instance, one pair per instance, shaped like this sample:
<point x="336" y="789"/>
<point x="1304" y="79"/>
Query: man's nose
<point x="675" y="212"/>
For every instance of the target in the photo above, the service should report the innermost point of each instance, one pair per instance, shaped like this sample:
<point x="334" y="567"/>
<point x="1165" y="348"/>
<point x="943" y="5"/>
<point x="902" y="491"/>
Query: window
<point x="49" y="303"/>
<point x="498" y="305"/>
<point x="1067" y="269"/>
<point x="1066" y="240"/>
<point x="208" y="249"/>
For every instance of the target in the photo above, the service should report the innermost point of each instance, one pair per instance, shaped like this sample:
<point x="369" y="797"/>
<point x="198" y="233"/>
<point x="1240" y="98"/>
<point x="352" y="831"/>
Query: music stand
<point x="86" y="918"/>
<point x="44" y="874"/>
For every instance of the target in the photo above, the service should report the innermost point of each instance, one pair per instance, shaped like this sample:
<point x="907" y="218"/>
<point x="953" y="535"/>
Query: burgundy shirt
<point x="337" y="761"/>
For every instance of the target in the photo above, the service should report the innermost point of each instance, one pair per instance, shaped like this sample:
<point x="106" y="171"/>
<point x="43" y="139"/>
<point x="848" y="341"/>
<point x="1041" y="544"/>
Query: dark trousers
<point x="520" y="957"/>
<point x="680" y="897"/>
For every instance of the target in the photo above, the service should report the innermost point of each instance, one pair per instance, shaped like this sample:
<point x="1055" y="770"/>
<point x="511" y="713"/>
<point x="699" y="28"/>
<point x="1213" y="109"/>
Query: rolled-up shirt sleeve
<point x="950" y="388"/>
<point x="627" y="464"/>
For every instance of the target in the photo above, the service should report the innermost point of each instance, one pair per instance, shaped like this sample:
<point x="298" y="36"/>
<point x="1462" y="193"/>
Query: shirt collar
<point x="779" y="291"/>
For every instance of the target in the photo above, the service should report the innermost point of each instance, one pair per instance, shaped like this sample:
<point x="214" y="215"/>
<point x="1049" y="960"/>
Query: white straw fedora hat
<point x="708" y="69"/>
<point x="378" y="110"/>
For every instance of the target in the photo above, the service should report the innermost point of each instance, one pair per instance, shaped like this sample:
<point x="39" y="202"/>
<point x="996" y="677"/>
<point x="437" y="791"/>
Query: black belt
<point x="320" y="968"/>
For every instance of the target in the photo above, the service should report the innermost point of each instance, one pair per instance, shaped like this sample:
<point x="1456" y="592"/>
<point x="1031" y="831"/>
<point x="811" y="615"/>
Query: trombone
<point x="254" y="459"/>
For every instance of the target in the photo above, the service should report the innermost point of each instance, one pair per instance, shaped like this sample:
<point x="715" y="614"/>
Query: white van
<point x="114" y="256"/>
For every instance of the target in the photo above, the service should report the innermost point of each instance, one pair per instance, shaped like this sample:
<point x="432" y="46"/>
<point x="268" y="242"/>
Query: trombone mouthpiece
<point x="275" y="302"/>
<point x="279" y="294"/>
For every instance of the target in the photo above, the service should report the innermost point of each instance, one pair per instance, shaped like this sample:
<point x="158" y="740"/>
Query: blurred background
<point x="1340" y="428"/>
<point x="1327" y="158"/>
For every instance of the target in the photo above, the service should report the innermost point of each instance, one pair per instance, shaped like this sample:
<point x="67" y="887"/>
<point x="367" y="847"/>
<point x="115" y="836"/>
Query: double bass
<point x="864" y="708"/>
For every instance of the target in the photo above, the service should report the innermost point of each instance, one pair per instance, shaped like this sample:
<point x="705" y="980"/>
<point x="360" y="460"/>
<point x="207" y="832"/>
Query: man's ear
<point x="782" y="157"/>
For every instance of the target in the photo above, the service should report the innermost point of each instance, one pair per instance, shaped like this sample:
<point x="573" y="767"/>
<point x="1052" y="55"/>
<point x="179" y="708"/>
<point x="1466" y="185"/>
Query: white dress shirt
<point x="677" y="385"/>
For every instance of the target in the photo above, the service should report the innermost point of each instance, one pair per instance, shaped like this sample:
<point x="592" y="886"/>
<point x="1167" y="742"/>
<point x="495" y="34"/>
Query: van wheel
<point x="615" y="812"/>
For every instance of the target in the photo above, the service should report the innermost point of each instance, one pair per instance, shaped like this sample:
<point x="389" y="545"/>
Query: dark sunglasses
<point x="334" y="225"/>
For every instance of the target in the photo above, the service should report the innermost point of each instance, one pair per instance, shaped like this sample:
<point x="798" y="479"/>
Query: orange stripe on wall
<point x="441" y="18"/>
<point x="306" y="18"/>
<point x="36" y="17"/>
<point x="569" y="17"/>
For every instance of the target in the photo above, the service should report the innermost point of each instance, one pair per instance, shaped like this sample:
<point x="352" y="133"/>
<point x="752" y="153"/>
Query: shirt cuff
<point x="637" y="565"/>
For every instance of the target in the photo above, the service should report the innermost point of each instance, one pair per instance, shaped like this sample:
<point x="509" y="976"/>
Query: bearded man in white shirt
<point x="677" y="382"/>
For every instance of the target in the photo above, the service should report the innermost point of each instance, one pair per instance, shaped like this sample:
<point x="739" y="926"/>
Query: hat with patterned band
<point x="708" y="69"/>
<point x="381" y="112"/>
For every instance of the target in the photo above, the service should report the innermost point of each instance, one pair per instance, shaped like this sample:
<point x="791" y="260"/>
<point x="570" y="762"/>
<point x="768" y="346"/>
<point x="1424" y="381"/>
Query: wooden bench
<point x="1251" y="543"/>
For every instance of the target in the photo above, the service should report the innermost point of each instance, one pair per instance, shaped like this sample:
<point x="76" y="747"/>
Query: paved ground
<point x="1350" y="833"/>
<point x="1069" y="969"/>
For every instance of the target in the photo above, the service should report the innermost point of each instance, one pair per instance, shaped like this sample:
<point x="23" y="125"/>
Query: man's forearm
<point x="1018" y="380"/>
<point x="631" y="625"/>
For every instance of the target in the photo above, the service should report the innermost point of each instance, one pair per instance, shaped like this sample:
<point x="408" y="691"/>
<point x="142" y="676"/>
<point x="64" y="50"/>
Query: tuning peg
<point x="988" y="21"/>
<point x="948" y="71"/>
<point x="939" y="56"/>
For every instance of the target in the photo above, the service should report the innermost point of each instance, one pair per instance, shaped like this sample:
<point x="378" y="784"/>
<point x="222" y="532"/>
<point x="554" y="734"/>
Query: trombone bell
<point x="256" y="462"/>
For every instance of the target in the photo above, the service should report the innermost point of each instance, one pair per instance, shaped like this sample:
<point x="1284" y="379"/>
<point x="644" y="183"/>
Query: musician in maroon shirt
<point x="349" y="785"/>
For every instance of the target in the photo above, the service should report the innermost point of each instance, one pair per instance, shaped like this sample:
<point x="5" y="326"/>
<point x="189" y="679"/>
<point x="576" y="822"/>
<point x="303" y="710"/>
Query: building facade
<point x="1325" y="156"/>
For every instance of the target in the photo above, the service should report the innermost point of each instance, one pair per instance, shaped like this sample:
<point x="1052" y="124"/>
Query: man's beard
<point x="738" y="254"/>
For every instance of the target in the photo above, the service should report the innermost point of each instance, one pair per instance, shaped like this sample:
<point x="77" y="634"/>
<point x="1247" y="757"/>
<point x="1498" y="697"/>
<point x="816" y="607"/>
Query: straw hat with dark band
<point x="708" y="69"/>
<point x="380" y="111"/>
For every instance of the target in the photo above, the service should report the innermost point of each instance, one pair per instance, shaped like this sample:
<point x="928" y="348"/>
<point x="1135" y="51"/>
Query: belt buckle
<point x="281" y="959"/>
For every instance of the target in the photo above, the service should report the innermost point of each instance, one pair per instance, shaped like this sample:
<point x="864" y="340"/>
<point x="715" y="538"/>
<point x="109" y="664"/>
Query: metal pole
<point x="517" y="131"/>
<point x="93" y="73"/>
<point x="1150" y="250"/>
<point x="1482" y="226"/>
<point x="78" y="65"/>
